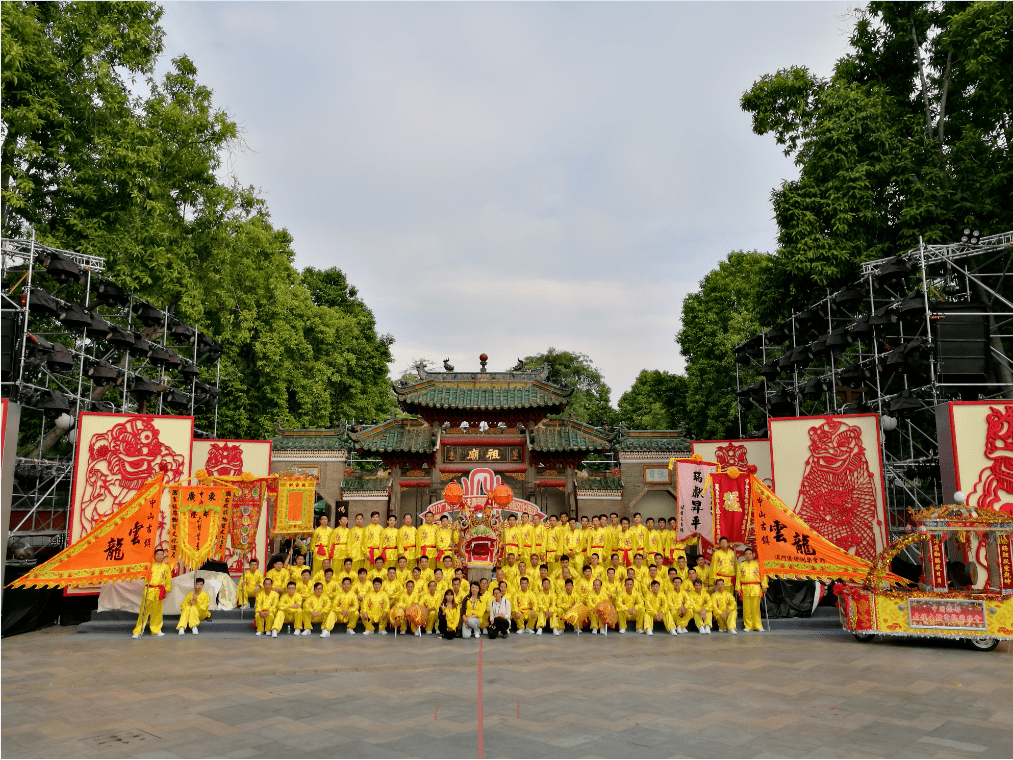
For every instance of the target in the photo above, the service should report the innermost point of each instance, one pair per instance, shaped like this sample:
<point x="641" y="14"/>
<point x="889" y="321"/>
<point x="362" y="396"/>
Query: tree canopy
<point x="590" y="401"/>
<point x="656" y="401"/>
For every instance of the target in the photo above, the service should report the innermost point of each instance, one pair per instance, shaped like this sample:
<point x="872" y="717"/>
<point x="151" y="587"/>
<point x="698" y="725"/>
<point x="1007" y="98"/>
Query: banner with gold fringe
<point x="788" y="548"/>
<point x="119" y="548"/>
<point x="293" y="507"/>
<point x="200" y="517"/>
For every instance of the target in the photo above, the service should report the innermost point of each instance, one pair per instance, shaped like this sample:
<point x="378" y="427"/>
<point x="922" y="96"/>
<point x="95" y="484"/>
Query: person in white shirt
<point x="499" y="615"/>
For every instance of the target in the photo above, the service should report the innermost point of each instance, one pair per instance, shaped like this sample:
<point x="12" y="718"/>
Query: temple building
<point x="457" y="422"/>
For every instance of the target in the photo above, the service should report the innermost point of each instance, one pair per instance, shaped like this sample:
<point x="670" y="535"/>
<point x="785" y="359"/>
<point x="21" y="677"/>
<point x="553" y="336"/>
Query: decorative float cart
<point x="982" y="613"/>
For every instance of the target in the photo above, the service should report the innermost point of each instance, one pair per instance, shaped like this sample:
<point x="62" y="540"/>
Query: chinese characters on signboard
<point x="486" y="454"/>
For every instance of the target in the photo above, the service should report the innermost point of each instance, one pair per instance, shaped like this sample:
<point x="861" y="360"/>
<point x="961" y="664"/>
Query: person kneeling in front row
<point x="499" y="615"/>
<point x="194" y="608"/>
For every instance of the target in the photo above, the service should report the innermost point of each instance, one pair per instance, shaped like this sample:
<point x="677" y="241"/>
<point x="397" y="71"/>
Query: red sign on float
<point x="962" y="614"/>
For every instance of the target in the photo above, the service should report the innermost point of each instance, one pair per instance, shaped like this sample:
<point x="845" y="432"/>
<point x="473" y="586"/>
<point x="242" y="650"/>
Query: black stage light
<point x="141" y="387"/>
<point x="141" y="346"/>
<point x="108" y="292"/>
<point x="855" y="376"/>
<point x="214" y="352"/>
<point x="819" y="346"/>
<point x="103" y="406"/>
<point x="188" y="370"/>
<point x="847" y="299"/>
<point x="911" y="309"/>
<point x="761" y="433"/>
<point x="801" y="356"/>
<point x="856" y="407"/>
<point x="163" y="357"/>
<point x="98" y="324"/>
<point x="905" y="404"/>
<point x="884" y="316"/>
<point x="101" y="372"/>
<point x="61" y="268"/>
<point x="51" y="402"/>
<point x="784" y="360"/>
<point x="907" y="358"/>
<point x="176" y="399"/>
<point x="41" y="304"/>
<point x="60" y="359"/>
<point x="75" y="317"/>
<point x="770" y="370"/>
<point x="970" y="236"/>
<point x="148" y="314"/>
<point x="756" y="391"/>
<point x="894" y="271"/>
<point x="810" y="321"/>
<point x="780" y="404"/>
<point x="205" y="394"/>
<point x="120" y="338"/>
<point x="861" y="328"/>
<point x="814" y="389"/>
<point x="839" y="339"/>
<point x="181" y="331"/>
<point x="777" y="334"/>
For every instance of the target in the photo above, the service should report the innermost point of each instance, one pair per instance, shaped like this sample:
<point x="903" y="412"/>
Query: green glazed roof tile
<point x="396" y="435"/>
<point x="569" y="435"/>
<point x="483" y="394"/>
<point x="654" y="440"/>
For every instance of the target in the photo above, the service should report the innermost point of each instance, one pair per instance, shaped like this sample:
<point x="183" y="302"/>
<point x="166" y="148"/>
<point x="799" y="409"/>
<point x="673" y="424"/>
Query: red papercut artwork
<point x="120" y="461"/>
<point x="838" y="494"/>
<point x="994" y="489"/>
<point x="224" y="460"/>
<point x="734" y="456"/>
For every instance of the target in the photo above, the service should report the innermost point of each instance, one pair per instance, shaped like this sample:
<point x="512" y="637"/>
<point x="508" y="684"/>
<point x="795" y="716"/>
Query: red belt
<point x="388" y="549"/>
<point x="624" y="556"/>
<point x="425" y="549"/>
<point x="161" y="592"/>
<point x="372" y="554"/>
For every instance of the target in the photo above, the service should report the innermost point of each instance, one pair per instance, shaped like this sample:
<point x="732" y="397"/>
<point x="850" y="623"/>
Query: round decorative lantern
<point x="453" y="494"/>
<point x="502" y="494"/>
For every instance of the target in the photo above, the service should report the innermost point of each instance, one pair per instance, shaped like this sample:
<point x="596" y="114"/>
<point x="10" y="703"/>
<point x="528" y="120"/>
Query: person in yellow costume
<point x="345" y="606"/>
<point x="404" y="572"/>
<point x="362" y="585"/>
<point x="194" y="608"/>
<point x="448" y="616"/>
<point x="539" y="532"/>
<point x="340" y="550"/>
<point x="652" y="575"/>
<point x="700" y="601"/>
<point x="278" y="574"/>
<point x="295" y="569"/>
<point x="158" y="586"/>
<point x="316" y="608"/>
<point x="597" y="568"/>
<point x="331" y="586"/>
<point x="373" y="609"/>
<point x="679" y="604"/>
<point x="426" y="538"/>
<point x="389" y="543"/>
<point x="289" y="611"/>
<point x="596" y="597"/>
<point x="552" y="548"/>
<point x="346" y="571"/>
<point x="320" y="543"/>
<point x="630" y="606"/>
<point x="522" y="608"/>
<point x="639" y="531"/>
<point x="752" y="586"/>
<point x="355" y="545"/>
<point x="654" y="540"/>
<point x="472" y="611"/>
<point x="391" y="585"/>
<point x="611" y="585"/>
<point x="598" y="540"/>
<point x="406" y="541"/>
<point x="585" y="583"/>
<point x="250" y="584"/>
<point x="625" y="543"/>
<point x="425" y="571"/>
<point x="442" y="582"/>
<point x="511" y="572"/>
<point x="724" y="610"/>
<point x="682" y="568"/>
<point x="459" y="589"/>
<point x="446" y="539"/>
<point x="674" y="548"/>
<point x="318" y="575"/>
<point x="724" y="564"/>
<point x="585" y="539"/>
<point x="304" y="585"/>
<point x="447" y="564"/>
<point x="372" y="541"/>
<point x="564" y="603"/>
<point x="527" y="537"/>
<point x="573" y="543"/>
<point x="377" y="570"/>
<point x="430" y="601"/>
<point x="511" y="539"/>
<point x="705" y="573"/>
<point x="265" y="607"/>
<point x="545" y="604"/>
<point x="407" y="597"/>
<point x="657" y="610"/>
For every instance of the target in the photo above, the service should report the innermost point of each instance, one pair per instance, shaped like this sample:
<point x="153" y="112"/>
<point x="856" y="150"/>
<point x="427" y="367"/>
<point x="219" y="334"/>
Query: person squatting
<point x="551" y="577"/>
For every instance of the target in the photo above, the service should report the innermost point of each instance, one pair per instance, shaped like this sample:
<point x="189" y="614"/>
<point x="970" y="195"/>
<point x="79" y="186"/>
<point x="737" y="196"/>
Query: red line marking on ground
<point x="480" y="739"/>
<point x="437" y="709"/>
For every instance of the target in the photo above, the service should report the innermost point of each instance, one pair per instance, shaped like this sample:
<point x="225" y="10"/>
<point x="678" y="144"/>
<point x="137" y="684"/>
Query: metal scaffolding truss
<point x="931" y="325"/>
<point x="73" y="341"/>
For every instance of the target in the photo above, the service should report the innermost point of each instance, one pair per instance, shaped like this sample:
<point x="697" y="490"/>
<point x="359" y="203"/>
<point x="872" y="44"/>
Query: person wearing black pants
<point x="499" y="615"/>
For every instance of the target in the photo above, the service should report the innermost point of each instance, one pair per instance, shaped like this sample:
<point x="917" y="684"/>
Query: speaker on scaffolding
<point x="961" y="338"/>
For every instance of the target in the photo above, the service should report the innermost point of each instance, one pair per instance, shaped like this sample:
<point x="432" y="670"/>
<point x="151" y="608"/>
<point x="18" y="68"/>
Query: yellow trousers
<point x="542" y="618"/>
<point x="726" y="623"/>
<point x="349" y="619"/>
<point x="380" y="622"/>
<point x="666" y="619"/>
<point x="681" y="621"/>
<point x="288" y="616"/>
<point x="635" y="616"/>
<point x="431" y="620"/>
<point x="751" y="613"/>
<point x="326" y="620"/>
<point x="264" y="623"/>
<point x="702" y="617"/>
<point x="318" y="562"/>
<point x="525" y="619"/>
<point x="190" y="617"/>
<point x="153" y="606"/>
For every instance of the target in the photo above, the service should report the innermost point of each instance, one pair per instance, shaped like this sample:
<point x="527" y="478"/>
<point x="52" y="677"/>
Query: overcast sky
<point x="502" y="178"/>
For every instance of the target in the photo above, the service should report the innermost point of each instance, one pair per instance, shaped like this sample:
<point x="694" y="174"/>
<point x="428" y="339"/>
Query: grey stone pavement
<point x="751" y="695"/>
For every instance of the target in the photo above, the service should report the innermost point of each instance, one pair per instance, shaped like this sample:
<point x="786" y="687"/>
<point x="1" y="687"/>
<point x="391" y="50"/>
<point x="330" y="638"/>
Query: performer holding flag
<point x="159" y="583"/>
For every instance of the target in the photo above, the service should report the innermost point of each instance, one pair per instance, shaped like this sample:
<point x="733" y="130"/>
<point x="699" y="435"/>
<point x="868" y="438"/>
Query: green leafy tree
<point x="656" y="401"/>
<point x="910" y="136"/>
<point x="591" y="399"/>
<point x="722" y="314"/>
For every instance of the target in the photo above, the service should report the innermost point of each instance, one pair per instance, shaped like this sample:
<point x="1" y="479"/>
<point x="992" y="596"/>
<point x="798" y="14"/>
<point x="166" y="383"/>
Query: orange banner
<point x="293" y="509"/>
<point x="788" y="548"/>
<point x="201" y="516"/>
<point x="117" y="549"/>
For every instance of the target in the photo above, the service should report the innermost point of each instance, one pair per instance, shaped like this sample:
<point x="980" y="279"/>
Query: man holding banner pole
<point x="158" y="584"/>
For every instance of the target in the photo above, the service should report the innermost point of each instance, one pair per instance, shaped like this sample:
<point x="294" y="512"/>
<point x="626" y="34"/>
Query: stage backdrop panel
<point x="229" y="457"/>
<point x="738" y="452"/>
<point x="981" y="447"/>
<point x="829" y="470"/>
<point x="115" y="454"/>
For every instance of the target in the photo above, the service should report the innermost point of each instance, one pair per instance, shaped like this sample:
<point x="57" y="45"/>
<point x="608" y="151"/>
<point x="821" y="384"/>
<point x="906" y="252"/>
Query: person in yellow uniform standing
<point x="552" y="548"/>
<point x="346" y="606"/>
<point x="406" y="541"/>
<point x="630" y="606"/>
<point x="724" y="564"/>
<point x="372" y="541"/>
<point x="527" y="537"/>
<point x="430" y="600"/>
<point x="374" y="609"/>
<point x="159" y="584"/>
<point x="340" y="550"/>
<point x="522" y="607"/>
<point x="538" y="536"/>
<point x="250" y="584"/>
<point x="194" y="608"/>
<point x="625" y="543"/>
<point x="752" y="586"/>
<point x="654" y="540"/>
<point x="289" y="611"/>
<point x="391" y="586"/>
<point x="723" y="607"/>
<point x="674" y="548"/>
<point x="320" y="543"/>
<point x="511" y="538"/>
<point x="446" y="539"/>
<point x="426" y="538"/>
<point x="316" y="608"/>
<point x="389" y="543"/>
<point x="355" y="545"/>
<point x="266" y="607"/>
<point x="573" y="544"/>
<point x="639" y="531"/>
<point x="597" y="541"/>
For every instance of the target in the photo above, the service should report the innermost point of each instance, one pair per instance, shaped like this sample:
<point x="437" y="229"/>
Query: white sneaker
<point x="194" y="631"/>
<point x="674" y="632"/>
<point x="367" y="633"/>
<point x="649" y="632"/>
<point x="703" y="630"/>
<point x="538" y="632"/>
<point x="733" y="632"/>
<point x="594" y="631"/>
<point x="350" y="631"/>
<point x="622" y="630"/>
<point x="274" y="634"/>
<point x="383" y="632"/>
<point x="323" y="634"/>
<point x="259" y="633"/>
<point x="183" y="630"/>
<point x="162" y="634"/>
<point x="759" y="630"/>
<point x="640" y="630"/>
<point x="682" y="629"/>
<point x="136" y="636"/>
<point x="555" y="631"/>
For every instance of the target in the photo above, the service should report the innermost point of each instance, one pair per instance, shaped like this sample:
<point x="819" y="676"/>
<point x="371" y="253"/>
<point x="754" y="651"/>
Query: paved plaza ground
<point x="818" y="694"/>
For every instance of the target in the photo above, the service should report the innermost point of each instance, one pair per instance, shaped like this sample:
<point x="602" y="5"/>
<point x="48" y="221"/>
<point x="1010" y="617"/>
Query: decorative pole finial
<point x="483" y="360"/>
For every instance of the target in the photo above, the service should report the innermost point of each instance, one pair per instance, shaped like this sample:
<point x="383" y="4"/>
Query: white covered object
<point x="126" y="596"/>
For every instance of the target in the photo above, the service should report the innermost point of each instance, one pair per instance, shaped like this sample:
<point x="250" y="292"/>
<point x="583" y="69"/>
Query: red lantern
<point x="453" y="494"/>
<point x="502" y="494"/>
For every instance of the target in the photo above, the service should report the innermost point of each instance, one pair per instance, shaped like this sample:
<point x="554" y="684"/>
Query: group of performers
<point x="417" y="584"/>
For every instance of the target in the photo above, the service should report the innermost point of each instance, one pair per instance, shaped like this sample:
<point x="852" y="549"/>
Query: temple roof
<point x="493" y="391"/>
<point x="654" y="440"/>
<point x="569" y="435"/>
<point x="308" y="440"/>
<point x="413" y="436"/>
